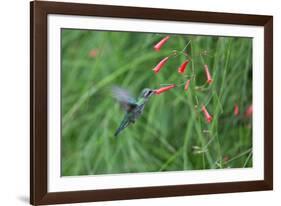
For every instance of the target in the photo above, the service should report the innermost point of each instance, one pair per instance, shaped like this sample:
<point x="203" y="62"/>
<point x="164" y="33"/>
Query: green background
<point x="172" y="134"/>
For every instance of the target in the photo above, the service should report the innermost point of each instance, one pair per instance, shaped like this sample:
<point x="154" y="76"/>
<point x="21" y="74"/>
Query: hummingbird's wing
<point x="124" y="98"/>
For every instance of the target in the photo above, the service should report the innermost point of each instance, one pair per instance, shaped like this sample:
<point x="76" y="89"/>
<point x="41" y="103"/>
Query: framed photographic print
<point x="131" y="102"/>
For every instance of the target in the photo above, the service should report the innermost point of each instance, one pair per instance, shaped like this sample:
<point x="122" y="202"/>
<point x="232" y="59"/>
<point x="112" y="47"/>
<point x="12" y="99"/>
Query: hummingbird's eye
<point x="148" y="93"/>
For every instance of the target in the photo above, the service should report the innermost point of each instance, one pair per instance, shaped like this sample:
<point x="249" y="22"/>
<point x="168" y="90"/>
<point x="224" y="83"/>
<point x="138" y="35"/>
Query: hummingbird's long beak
<point x="153" y="92"/>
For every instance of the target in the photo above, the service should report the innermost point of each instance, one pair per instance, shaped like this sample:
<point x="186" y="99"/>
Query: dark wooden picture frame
<point x="39" y="114"/>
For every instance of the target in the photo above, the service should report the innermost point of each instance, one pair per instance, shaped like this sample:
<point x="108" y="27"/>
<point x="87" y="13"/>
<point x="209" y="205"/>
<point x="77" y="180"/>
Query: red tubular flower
<point x="93" y="53"/>
<point x="236" y="110"/>
<point x="249" y="111"/>
<point x="158" y="46"/>
<point x="183" y="67"/>
<point x="208" y="117"/>
<point x="187" y="85"/>
<point x="160" y="65"/>
<point x="163" y="89"/>
<point x="208" y="75"/>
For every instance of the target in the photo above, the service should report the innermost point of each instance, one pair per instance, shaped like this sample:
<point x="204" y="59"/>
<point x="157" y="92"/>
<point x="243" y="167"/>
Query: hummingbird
<point x="133" y="107"/>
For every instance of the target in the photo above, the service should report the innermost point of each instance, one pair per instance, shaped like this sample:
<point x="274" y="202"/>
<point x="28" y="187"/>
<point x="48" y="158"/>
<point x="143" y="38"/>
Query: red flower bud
<point x="163" y="89"/>
<point x="158" y="46"/>
<point x="183" y="67"/>
<point x="249" y="111"/>
<point x="208" y="117"/>
<point x="208" y="75"/>
<point x="187" y="85"/>
<point x="236" y="110"/>
<point x="160" y="65"/>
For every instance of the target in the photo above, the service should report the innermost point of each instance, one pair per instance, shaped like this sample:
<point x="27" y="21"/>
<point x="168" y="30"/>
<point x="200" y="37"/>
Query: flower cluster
<point x="181" y="70"/>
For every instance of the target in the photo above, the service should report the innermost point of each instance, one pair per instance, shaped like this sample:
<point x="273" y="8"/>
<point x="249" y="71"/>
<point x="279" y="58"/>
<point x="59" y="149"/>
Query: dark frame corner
<point x="38" y="102"/>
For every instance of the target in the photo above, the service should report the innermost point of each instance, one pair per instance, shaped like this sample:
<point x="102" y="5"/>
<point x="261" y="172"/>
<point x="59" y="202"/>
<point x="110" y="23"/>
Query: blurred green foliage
<point x="172" y="134"/>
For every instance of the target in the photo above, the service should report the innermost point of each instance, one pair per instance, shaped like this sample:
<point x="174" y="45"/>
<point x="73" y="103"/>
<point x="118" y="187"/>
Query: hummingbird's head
<point x="146" y="93"/>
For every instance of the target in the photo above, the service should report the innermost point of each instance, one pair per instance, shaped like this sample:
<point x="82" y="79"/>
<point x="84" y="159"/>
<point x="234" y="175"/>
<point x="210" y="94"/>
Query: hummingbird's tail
<point x="122" y="126"/>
